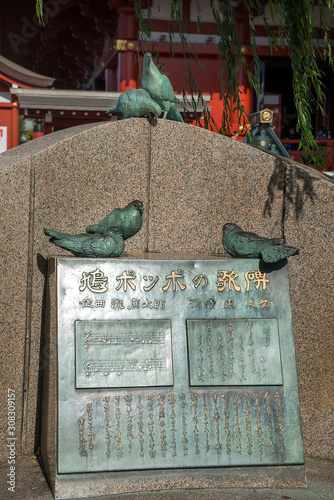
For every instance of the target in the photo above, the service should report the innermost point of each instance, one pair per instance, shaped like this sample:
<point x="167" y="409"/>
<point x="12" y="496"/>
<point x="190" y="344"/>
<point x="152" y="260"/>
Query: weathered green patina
<point x="105" y="239"/>
<point x="160" y="89"/>
<point x="170" y="363"/>
<point x="135" y="102"/>
<point x="239" y="243"/>
<point x="109" y="244"/>
<point x="129" y="219"/>
<point x="157" y="95"/>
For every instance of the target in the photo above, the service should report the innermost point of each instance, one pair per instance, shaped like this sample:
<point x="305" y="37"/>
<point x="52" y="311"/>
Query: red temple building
<point x="89" y="48"/>
<point x="13" y="76"/>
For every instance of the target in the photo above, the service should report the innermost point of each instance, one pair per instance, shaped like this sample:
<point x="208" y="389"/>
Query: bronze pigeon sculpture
<point x="160" y="89"/>
<point x="239" y="243"/>
<point x="128" y="219"/>
<point x="109" y="244"/>
<point x="135" y="102"/>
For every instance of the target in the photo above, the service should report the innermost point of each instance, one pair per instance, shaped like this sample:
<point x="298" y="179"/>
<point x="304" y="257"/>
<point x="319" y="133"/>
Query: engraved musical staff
<point x="130" y="338"/>
<point x="110" y="352"/>
<point x="119" y="366"/>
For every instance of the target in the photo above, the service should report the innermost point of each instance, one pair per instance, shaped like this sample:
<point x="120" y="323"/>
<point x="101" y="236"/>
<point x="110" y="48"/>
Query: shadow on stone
<point x="44" y="357"/>
<point x="296" y="184"/>
<point x="269" y="268"/>
<point x="276" y="184"/>
<point x="299" y="187"/>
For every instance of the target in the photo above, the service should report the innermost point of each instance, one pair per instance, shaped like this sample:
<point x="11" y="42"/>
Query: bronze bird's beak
<point x="147" y="58"/>
<point x="139" y="206"/>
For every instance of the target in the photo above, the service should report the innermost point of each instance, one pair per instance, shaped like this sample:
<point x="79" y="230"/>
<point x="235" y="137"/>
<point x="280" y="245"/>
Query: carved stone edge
<point x="85" y="485"/>
<point x="49" y="394"/>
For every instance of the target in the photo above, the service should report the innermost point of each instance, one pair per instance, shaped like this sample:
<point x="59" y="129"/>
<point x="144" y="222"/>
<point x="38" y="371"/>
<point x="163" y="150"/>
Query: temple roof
<point x="15" y="74"/>
<point x="81" y="100"/>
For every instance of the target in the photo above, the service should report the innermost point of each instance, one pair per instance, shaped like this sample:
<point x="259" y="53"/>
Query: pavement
<point x="30" y="484"/>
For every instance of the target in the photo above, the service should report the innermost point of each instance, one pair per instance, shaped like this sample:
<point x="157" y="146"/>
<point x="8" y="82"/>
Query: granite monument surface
<point x="191" y="182"/>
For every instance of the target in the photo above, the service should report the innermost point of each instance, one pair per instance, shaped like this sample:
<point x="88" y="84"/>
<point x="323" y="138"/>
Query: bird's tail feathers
<point x="174" y="114"/>
<point x="271" y="254"/>
<point x="54" y="234"/>
<point x="109" y="112"/>
<point x="276" y="241"/>
<point x="94" y="228"/>
<point x="70" y="245"/>
<point x="114" y="111"/>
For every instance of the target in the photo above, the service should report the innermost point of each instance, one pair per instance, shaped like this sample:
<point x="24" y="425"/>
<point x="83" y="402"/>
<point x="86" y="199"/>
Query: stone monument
<point x="191" y="182"/>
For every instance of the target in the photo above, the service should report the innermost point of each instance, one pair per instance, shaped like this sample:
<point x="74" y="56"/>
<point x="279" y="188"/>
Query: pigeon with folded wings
<point x="160" y="89"/>
<point x="129" y="219"/>
<point x="239" y="243"/>
<point x="109" y="244"/>
<point x="135" y="102"/>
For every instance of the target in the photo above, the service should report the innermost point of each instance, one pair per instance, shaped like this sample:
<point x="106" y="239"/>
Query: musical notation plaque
<point x="123" y="353"/>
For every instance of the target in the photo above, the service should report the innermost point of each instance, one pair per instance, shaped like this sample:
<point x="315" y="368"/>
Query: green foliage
<point x="308" y="90"/>
<point x="289" y="20"/>
<point x="39" y="11"/>
<point x="25" y="130"/>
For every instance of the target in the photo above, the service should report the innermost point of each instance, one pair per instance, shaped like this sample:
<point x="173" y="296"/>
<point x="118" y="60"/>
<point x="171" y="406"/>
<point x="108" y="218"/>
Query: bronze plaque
<point x="175" y="363"/>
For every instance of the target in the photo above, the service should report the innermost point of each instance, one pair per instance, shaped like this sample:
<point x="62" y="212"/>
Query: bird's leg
<point x="166" y="109"/>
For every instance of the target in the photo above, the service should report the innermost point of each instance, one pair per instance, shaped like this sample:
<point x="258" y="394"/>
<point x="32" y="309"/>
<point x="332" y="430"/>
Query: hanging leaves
<point x="39" y="11"/>
<point x="289" y="22"/>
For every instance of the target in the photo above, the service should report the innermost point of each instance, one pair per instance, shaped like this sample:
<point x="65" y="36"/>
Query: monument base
<point x="95" y="485"/>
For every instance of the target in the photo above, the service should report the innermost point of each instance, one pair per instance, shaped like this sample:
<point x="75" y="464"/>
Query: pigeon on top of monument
<point x="109" y="244"/>
<point x="239" y="243"/>
<point x="105" y="239"/>
<point x="135" y="102"/>
<point x="129" y="219"/>
<point x="160" y="89"/>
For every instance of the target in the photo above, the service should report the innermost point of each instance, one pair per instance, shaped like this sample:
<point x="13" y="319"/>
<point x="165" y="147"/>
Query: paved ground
<point x="31" y="485"/>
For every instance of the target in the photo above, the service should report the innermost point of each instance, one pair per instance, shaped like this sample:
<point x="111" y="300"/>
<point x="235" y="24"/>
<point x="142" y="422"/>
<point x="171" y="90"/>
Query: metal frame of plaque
<point x="168" y="362"/>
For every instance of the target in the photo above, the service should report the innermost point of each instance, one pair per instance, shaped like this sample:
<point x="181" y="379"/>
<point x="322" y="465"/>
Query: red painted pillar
<point x="9" y="123"/>
<point x="14" y="126"/>
<point x="244" y="86"/>
<point x="126" y="45"/>
<point x="111" y="83"/>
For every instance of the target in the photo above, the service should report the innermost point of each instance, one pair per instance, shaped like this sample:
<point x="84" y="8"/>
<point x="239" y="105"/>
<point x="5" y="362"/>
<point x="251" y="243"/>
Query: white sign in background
<point x="3" y="139"/>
